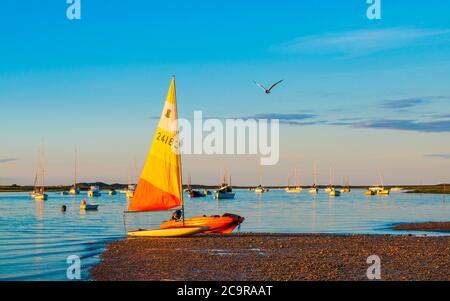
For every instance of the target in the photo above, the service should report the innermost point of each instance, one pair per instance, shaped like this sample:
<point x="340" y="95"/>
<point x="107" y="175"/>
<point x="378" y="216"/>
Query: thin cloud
<point x="295" y="119"/>
<point x="404" y="103"/>
<point x="358" y="42"/>
<point x="406" y="125"/>
<point x="302" y="123"/>
<point x="282" y="117"/>
<point x="6" y="160"/>
<point x="440" y="156"/>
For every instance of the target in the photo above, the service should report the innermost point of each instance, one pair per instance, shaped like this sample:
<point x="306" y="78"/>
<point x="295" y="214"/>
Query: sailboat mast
<point x="75" y="176"/>
<point x="381" y="179"/>
<point x="43" y="169"/>
<point x="179" y="156"/>
<point x="181" y="189"/>
<point x="315" y="173"/>
<point x="330" y="181"/>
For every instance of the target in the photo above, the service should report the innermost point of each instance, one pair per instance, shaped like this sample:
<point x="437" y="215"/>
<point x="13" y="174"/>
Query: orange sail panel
<point x="159" y="187"/>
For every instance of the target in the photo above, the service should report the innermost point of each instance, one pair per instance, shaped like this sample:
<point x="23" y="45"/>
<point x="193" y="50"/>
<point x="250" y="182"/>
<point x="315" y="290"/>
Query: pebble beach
<point x="275" y="257"/>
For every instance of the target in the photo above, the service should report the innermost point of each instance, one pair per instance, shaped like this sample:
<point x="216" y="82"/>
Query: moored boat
<point x="335" y="192"/>
<point x="369" y="192"/>
<point x="39" y="191"/>
<point x="383" y="191"/>
<point x="85" y="206"/>
<point x="74" y="189"/>
<point x="313" y="189"/>
<point x="196" y="194"/>
<point x="41" y="196"/>
<point x="346" y="187"/>
<point x="224" y="192"/>
<point x="329" y="187"/>
<point x="260" y="189"/>
<point x="297" y="188"/>
<point x="94" y="191"/>
<point x="112" y="191"/>
<point x="130" y="191"/>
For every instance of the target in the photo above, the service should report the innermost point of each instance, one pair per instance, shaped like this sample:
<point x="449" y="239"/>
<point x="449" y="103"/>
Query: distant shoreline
<point x="436" y="189"/>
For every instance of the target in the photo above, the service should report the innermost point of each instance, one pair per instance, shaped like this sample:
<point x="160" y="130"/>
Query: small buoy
<point x="63" y="208"/>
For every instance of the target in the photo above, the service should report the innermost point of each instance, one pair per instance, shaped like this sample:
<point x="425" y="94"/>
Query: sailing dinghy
<point x="160" y="185"/>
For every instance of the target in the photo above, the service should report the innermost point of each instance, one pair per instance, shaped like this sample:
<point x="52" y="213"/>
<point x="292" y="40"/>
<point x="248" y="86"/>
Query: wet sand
<point x="275" y="257"/>
<point x="429" y="226"/>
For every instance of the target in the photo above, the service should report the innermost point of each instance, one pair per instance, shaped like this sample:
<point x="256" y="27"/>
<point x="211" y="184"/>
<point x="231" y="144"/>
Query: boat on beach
<point x="225" y="223"/>
<point x="160" y="184"/>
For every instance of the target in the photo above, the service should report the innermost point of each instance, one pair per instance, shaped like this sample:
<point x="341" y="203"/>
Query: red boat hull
<point x="216" y="223"/>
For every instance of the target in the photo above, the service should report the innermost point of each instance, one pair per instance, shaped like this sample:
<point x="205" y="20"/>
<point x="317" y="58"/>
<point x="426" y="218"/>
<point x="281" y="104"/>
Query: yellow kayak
<point x="175" y="232"/>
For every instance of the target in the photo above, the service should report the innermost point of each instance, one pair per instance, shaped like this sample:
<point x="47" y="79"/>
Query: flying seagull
<point x="267" y="91"/>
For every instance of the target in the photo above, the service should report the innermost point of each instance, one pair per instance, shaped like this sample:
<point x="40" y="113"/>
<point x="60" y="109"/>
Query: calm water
<point x="36" y="237"/>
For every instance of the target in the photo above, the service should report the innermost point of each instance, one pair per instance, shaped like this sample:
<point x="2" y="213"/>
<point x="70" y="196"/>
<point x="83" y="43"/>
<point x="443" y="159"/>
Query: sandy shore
<point x="429" y="226"/>
<point x="275" y="257"/>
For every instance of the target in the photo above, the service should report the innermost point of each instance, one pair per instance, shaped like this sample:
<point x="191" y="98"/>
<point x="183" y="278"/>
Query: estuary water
<point x="36" y="237"/>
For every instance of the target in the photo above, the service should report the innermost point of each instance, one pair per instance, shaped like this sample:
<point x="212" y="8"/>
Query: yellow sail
<point x="159" y="187"/>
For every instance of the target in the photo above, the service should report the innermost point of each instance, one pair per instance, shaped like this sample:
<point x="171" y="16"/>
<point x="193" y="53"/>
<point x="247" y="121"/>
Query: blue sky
<point x="358" y="95"/>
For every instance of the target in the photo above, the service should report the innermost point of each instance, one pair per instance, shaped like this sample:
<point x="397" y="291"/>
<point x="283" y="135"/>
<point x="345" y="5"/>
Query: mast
<point x="179" y="154"/>
<point x="35" y="182"/>
<point x="75" y="176"/>
<point x="381" y="179"/>
<point x="181" y="182"/>
<point x="330" y="181"/>
<point x="43" y="170"/>
<point x="189" y="181"/>
<point x="315" y="174"/>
